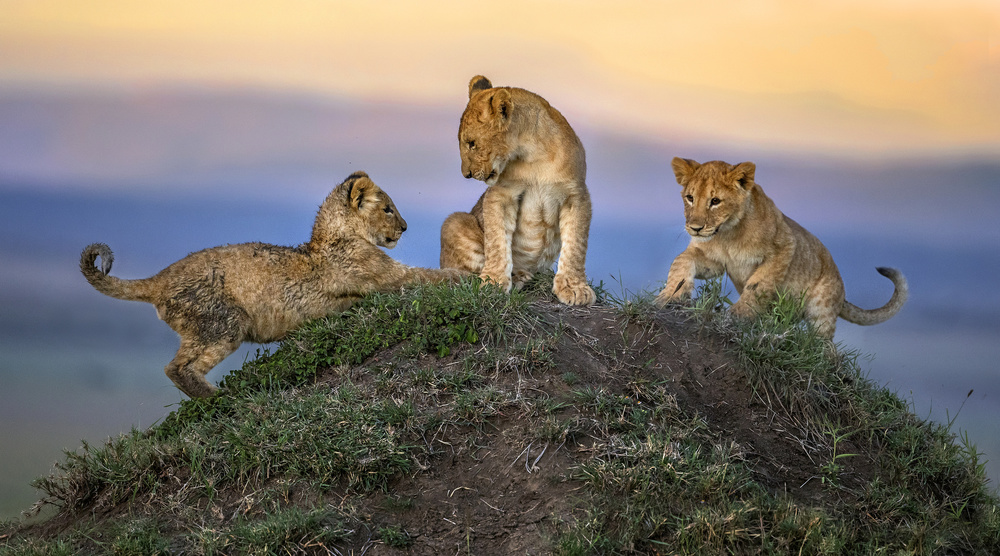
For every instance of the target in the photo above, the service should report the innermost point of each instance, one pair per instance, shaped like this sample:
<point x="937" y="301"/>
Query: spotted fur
<point x="218" y="298"/>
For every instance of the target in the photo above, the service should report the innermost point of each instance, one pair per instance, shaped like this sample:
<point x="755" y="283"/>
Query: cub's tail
<point x="857" y="315"/>
<point x="132" y="290"/>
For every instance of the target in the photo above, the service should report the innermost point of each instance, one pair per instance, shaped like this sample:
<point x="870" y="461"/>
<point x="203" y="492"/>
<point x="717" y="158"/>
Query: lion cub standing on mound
<point x="220" y="297"/>
<point x="736" y="229"/>
<point x="536" y="206"/>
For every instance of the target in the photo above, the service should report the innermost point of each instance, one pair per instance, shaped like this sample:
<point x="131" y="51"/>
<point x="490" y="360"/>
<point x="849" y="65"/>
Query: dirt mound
<point x="498" y="490"/>
<point x="458" y="422"/>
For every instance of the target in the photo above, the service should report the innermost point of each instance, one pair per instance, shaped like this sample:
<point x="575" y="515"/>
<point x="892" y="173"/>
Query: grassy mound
<point x="462" y="419"/>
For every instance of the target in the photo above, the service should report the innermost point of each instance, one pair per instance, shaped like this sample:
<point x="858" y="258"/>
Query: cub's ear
<point x="501" y="105"/>
<point x="359" y="186"/>
<point x="355" y="176"/>
<point x="479" y="83"/>
<point x="684" y="168"/>
<point x="742" y="174"/>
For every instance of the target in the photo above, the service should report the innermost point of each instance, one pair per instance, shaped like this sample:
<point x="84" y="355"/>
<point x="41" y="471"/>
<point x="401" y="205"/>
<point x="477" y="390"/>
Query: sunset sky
<point x="856" y="77"/>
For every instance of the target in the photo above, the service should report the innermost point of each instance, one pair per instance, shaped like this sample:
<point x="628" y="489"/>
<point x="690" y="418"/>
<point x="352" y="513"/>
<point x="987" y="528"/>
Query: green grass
<point x="285" y="531"/>
<point x="665" y="485"/>
<point x="339" y="411"/>
<point x="272" y="421"/>
<point x="395" y="537"/>
<point x="431" y="319"/>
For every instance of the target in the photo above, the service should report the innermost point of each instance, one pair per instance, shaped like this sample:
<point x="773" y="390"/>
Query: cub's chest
<point x="540" y="206"/>
<point x="739" y="261"/>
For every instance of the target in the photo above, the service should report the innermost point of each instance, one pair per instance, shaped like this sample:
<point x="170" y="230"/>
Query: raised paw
<point x="674" y="292"/>
<point x="573" y="291"/>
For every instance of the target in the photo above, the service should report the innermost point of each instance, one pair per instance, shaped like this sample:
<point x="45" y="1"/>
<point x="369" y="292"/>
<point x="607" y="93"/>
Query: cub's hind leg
<point x="463" y="247"/>
<point x="519" y="277"/>
<point x="462" y="243"/>
<point x="822" y="308"/>
<point x="193" y="361"/>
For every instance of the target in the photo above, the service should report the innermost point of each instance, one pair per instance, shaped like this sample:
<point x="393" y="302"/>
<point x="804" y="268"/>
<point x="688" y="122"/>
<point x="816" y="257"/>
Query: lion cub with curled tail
<point x="255" y="292"/>
<point x="736" y="229"/>
<point x="536" y="206"/>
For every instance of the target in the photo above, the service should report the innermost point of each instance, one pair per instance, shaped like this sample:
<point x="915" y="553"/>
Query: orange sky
<point x="858" y="77"/>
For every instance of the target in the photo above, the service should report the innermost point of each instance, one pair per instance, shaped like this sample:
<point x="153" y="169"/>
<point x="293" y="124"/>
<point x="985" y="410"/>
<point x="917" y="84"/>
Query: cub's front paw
<point x="501" y="280"/>
<point x="672" y="293"/>
<point x="573" y="291"/>
<point x="742" y="310"/>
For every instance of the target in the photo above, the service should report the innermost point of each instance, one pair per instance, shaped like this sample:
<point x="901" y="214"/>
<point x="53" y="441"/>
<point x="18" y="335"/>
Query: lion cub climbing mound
<point x="736" y="229"/>
<point x="220" y="297"/>
<point x="536" y="206"/>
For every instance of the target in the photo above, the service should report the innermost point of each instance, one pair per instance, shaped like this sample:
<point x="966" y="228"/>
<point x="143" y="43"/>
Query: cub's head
<point x="715" y="194"/>
<point x="483" y="132"/>
<point x="358" y="207"/>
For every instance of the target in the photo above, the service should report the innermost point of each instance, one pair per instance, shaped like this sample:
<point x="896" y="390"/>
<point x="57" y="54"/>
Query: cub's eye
<point x="470" y="144"/>
<point x="689" y="198"/>
<point x="387" y="210"/>
<point x="714" y="201"/>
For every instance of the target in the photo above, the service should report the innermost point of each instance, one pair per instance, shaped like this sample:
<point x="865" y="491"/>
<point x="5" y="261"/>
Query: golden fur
<point x="536" y="207"/>
<point x="736" y="229"/>
<point x="220" y="297"/>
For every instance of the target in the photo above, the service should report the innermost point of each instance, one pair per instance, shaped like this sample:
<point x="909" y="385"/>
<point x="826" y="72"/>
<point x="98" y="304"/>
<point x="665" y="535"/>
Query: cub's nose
<point x="468" y="174"/>
<point x="697" y="228"/>
<point x="403" y="226"/>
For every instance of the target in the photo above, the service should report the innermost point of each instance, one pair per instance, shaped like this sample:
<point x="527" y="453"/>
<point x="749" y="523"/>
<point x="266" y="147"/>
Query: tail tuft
<point x="137" y="290"/>
<point x="90" y="255"/>
<point x="95" y="250"/>
<point x="855" y="314"/>
<point x="890" y="273"/>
